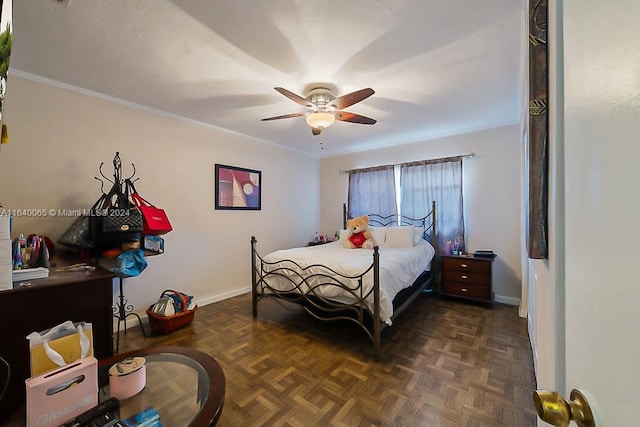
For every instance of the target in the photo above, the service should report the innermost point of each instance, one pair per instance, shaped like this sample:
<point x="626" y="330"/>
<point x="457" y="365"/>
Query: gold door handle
<point x="553" y="409"/>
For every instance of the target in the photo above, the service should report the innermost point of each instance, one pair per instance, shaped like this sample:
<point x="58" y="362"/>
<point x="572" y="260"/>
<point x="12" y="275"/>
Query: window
<point x="374" y="191"/>
<point x="442" y="181"/>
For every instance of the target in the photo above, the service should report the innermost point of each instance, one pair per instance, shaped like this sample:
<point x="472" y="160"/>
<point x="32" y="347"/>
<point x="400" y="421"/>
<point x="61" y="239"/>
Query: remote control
<point x="106" y="420"/>
<point x="86" y="417"/>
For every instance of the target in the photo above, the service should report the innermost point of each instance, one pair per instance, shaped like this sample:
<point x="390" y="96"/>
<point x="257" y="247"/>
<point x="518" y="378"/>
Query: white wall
<point x="59" y="137"/>
<point x="491" y="193"/>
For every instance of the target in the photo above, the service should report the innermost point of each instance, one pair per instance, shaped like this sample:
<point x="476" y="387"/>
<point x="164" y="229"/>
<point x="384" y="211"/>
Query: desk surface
<point x="184" y="385"/>
<point x="59" y="276"/>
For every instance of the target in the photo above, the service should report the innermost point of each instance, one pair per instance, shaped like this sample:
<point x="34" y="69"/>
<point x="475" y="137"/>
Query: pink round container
<point x="127" y="377"/>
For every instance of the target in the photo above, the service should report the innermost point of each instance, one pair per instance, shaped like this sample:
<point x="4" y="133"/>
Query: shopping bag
<point x="56" y="397"/>
<point x="155" y="219"/>
<point x="60" y="345"/>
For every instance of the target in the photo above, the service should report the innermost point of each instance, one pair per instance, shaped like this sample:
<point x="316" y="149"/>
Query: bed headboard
<point x="428" y="222"/>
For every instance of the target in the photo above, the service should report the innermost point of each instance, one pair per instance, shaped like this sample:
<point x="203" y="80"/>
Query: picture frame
<point x="237" y="188"/>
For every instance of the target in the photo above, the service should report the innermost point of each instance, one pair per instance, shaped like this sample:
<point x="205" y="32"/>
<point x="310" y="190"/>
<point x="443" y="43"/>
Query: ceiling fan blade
<point x="345" y="116"/>
<point x="295" y="98"/>
<point x="316" y="131"/>
<point x="286" y="116"/>
<point x="351" y="98"/>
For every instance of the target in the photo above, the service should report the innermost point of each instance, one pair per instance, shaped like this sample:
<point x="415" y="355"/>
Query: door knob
<point x="553" y="409"/>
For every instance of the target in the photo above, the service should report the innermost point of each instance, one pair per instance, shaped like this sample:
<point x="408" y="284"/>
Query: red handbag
<point x="155" y="219"/>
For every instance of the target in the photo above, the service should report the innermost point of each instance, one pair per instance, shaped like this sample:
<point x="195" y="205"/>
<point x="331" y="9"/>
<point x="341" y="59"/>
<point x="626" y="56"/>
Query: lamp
<point x="320" y="120"/>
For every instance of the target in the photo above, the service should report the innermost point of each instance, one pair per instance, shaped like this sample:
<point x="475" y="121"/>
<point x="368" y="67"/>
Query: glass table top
<point x="184" y="385"/>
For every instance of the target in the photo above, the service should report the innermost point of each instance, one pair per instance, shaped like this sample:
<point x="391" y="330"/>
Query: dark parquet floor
<point x="446" y="363"/>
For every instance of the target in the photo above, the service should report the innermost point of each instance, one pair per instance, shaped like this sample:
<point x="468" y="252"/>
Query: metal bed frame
<point x="306" y="282"/>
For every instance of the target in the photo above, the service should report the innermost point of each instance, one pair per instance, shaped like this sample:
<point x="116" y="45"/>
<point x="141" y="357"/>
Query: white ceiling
<point x="437" y="67"/>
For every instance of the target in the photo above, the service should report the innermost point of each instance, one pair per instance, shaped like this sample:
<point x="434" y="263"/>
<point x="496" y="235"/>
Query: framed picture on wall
<point x="237" y="188"/>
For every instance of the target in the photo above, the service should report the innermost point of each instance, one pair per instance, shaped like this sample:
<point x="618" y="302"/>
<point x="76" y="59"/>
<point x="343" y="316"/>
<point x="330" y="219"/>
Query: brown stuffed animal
<point x="359" y="236"/>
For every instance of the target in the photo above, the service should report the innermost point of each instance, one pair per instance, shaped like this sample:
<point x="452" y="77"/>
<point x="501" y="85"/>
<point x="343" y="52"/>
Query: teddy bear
<point x="359" y="236"/>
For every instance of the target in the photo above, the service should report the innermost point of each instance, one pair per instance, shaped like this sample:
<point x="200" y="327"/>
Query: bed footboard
<point x="307" y="286"/>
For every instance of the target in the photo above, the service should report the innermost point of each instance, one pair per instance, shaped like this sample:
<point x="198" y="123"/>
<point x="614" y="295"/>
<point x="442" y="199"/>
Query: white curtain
<point x="422" y="183"/>
<point x="372" y="191"/>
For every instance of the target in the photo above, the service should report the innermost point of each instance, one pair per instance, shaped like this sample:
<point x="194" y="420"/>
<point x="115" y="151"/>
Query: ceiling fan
<point x="326" y="108"/>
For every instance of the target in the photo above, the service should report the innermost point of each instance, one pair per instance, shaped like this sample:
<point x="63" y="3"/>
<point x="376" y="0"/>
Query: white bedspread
<point x="399" y="268"/>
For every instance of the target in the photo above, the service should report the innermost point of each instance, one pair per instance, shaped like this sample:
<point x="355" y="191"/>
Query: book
<point x="30" y="274"/>
<point x="147" y="418"/>
<point x="484" y="253"/>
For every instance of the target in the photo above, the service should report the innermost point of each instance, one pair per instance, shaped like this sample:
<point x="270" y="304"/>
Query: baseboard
<point x="506" y="300"/>
<point x="132" y="321"/>
<point x="209" y="299"/>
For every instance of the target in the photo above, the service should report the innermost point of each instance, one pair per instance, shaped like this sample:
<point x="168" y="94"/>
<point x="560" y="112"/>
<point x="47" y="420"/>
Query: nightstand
<point x="467" y="277"/>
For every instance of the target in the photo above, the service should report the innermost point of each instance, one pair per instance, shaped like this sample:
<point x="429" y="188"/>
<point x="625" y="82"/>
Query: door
<point x="597" y="123"/>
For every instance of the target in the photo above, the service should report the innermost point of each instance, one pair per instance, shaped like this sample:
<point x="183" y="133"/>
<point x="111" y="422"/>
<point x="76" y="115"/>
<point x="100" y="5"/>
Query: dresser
<point x="75" y="296"/>
<point x="467" y="277"/>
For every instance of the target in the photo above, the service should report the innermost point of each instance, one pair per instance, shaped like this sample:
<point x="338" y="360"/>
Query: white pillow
<point x="418" y="233"/>
<point x="344" y="234"/>
<point x="400" y="237"/>
<point x="379" y="234"/>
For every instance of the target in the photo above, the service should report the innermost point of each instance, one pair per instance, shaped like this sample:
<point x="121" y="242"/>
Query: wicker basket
<point x="165" y="324"/>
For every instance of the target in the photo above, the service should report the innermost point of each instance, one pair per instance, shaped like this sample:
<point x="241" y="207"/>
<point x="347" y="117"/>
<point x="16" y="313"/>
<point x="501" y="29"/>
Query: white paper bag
<point x="60" y="345"/>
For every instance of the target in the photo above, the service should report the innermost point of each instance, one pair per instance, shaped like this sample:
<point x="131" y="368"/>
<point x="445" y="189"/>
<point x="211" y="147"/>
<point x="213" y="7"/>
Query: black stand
<point x="121" y="311"/>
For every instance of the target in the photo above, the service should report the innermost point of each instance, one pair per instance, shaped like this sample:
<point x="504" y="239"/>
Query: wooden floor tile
<point x="446" y="363"/>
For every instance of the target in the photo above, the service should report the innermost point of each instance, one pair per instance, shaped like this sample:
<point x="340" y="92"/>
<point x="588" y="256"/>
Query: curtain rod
<point x="416" y="163"/>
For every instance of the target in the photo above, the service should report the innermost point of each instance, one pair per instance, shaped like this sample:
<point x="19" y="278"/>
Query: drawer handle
<point x="464" y="265"/>
<point x="464" y="290"/>
<point x="464" y="277"/>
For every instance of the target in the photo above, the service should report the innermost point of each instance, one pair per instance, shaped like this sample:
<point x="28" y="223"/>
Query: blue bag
<point x="130" y="263"/>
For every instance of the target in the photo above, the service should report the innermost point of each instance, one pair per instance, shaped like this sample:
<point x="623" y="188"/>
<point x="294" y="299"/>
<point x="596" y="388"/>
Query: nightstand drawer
<point x="466" y="264"/>
<point x="481" y="279"/>
<point x="468" y="291"/>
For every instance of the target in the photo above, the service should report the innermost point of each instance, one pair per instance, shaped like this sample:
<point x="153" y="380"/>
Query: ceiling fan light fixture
<point x="320" y="120"/>
<point x="326" y="107"/>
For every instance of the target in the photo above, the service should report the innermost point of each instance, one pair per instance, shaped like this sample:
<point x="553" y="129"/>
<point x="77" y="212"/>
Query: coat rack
<point x="123" y="308"/>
